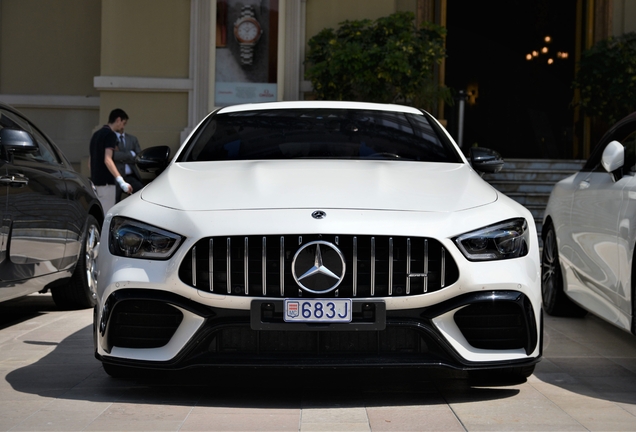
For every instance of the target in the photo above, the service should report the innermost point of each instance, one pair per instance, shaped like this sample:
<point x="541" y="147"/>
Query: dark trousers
<point x="136" y="184"/>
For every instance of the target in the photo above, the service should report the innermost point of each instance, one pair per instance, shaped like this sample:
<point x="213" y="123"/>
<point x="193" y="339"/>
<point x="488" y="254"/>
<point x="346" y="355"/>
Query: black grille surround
<point x="261" y="266"/>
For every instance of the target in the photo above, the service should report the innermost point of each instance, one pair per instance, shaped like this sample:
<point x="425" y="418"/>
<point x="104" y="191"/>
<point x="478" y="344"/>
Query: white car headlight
<point x="134" y="239"/>
<point x="507" y="239"/>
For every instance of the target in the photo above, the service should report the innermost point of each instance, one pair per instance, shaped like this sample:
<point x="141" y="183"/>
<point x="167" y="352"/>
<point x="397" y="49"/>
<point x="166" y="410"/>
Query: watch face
<point x="247" y="31"/>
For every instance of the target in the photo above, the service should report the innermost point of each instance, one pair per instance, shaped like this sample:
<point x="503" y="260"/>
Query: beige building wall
<point x="330" y="13"/>
<point x="145" y="46"/>
<point x="623" y="17"/>
<point x="49" y="54"/>
<point x="49" y="47"/>
<point x="145" y="38"/>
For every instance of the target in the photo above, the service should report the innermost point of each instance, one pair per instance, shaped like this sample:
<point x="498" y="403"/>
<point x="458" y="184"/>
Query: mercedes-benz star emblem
<point x="319" y="214"/>
<point x="318" y="267"/>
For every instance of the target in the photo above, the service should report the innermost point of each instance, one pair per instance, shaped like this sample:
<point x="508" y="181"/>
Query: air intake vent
<point x="143" y="324"/>
<point x="376" y="266"/>
<point x="497" y="325"/>
<point x="241" y="339"/>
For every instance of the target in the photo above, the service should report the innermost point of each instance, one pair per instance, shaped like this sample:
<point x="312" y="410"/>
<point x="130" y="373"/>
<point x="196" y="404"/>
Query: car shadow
<point x="24" y="308"/>
<point x="84" y="379"/>
<point x="581" y="356"/>
<point x="70" y="371"/>
<point x="588" y="356"/>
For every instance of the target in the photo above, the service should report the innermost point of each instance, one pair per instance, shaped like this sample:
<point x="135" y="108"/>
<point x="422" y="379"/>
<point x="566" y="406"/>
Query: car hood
<point x="319" y="184"/>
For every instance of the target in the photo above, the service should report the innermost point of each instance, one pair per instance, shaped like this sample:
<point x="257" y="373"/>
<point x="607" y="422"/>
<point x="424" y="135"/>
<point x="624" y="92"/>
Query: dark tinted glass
<point x="320" y="133"/>
<point x="45" y="154"/>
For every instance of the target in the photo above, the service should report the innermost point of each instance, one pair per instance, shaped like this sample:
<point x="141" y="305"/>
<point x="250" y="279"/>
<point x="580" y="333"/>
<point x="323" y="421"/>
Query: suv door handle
<point x="14" y="180"/>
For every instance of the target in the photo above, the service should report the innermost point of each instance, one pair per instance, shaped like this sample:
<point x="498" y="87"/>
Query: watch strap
<point x="247" y="50"/>
<point x="247" y="11"/>
<point x="247" y="54"/>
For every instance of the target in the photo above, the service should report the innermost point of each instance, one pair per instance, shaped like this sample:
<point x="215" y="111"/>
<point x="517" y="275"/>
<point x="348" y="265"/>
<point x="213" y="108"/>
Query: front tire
<point x="81" y="290"/>
<point x="555" y="301"/>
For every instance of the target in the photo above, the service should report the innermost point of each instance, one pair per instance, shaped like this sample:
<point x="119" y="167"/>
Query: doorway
<point x="515" y="61"/>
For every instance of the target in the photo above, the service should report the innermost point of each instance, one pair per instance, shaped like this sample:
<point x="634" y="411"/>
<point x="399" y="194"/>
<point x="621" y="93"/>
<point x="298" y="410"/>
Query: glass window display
<point x="246" y="51"/>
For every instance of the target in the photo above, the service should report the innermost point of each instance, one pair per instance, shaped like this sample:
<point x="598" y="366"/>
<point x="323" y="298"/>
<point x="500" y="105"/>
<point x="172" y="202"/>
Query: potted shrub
<point x="606" y="79"/>
<point x="389" y="60"/>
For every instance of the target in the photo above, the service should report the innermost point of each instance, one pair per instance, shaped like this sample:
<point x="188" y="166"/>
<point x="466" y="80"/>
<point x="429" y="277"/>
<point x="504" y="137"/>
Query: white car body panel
<point x="594" y="216"/>
<point x="377" y="185"/>
<point x="595" y="268"/>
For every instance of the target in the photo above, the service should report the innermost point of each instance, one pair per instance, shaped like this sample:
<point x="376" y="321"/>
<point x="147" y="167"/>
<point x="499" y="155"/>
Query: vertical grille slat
<point x="264" y="266"/>
<point x="408" y="266"/>
<point x="228" y="264"/>
<point x="390" y="266"/>
<point x="355" y="266"/>
<point x="372" y="266"/>
<point x="211" y="265"/>
<point x="246" y="265"/>
<point x="282" y="266"/>
<point x="425" y="265"/>
<point x="261" y="265"/>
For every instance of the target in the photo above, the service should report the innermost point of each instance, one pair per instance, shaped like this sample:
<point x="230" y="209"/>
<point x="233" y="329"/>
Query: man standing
<point x="127" y="148"/>
<point x="104" y="173"/>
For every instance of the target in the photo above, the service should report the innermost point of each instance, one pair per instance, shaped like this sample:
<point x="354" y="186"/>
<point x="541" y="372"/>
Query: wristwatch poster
<point x="247" y="51"/>
<point x="247" y="31"/>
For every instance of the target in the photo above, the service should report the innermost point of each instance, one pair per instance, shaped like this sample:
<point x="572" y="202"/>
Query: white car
<point x="319" y="234"/>
<point x="589" y="234"/>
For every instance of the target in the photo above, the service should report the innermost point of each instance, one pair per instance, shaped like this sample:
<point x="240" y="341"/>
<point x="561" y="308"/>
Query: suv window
<point x="320" y="133"/>
<point x="46" y="153"/>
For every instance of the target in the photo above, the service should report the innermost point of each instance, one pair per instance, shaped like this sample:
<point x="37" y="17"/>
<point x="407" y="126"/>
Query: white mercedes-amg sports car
<point x="588" y="233"/>
<point x="319" y="234"/>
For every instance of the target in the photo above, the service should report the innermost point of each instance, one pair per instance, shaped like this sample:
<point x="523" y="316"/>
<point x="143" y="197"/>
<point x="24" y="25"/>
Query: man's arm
<point x="136" y="146"/>
<point x="110" y="164"/>
<point x="123" y="156"/>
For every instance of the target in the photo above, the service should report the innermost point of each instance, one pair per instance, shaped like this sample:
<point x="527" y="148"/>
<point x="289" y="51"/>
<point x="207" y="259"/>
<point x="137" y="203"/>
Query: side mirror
<point x="17" y="141"/>
<point x="153" y="159"/>
<point x="484" y="160"/>
<point x="613" y="159"/>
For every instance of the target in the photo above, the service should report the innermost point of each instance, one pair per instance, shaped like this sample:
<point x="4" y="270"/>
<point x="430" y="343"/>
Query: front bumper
<point x="155" y="329"/>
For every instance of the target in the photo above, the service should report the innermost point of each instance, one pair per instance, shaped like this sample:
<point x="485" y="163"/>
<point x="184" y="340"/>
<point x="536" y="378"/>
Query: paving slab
<point x="50" y="380"/>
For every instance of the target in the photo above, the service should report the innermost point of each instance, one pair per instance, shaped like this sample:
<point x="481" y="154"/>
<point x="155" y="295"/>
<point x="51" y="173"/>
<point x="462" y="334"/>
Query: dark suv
<point x="50" y="218"/>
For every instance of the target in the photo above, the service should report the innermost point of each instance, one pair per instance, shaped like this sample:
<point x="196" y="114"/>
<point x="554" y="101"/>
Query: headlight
<point x="134" y="239"/>
<point x="508" y="239"/>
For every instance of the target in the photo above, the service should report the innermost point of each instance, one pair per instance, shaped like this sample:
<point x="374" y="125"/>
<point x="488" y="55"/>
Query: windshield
<point x="319" y="133"/>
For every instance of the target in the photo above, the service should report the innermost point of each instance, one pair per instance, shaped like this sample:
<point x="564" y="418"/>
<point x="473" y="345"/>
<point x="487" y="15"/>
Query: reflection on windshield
<point x="319" y="133"/>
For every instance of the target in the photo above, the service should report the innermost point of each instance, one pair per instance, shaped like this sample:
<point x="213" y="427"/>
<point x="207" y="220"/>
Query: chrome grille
<point x="260" y="266"/>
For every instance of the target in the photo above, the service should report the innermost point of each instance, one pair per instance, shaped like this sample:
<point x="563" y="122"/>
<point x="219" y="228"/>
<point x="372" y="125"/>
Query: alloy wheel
<point x="90" y="256"/>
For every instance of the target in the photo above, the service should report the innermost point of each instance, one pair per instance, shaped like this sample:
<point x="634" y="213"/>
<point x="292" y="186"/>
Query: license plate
<point x="317" y="310"/>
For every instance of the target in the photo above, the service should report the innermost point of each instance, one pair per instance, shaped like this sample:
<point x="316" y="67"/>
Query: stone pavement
<point x="51" y="381"/>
